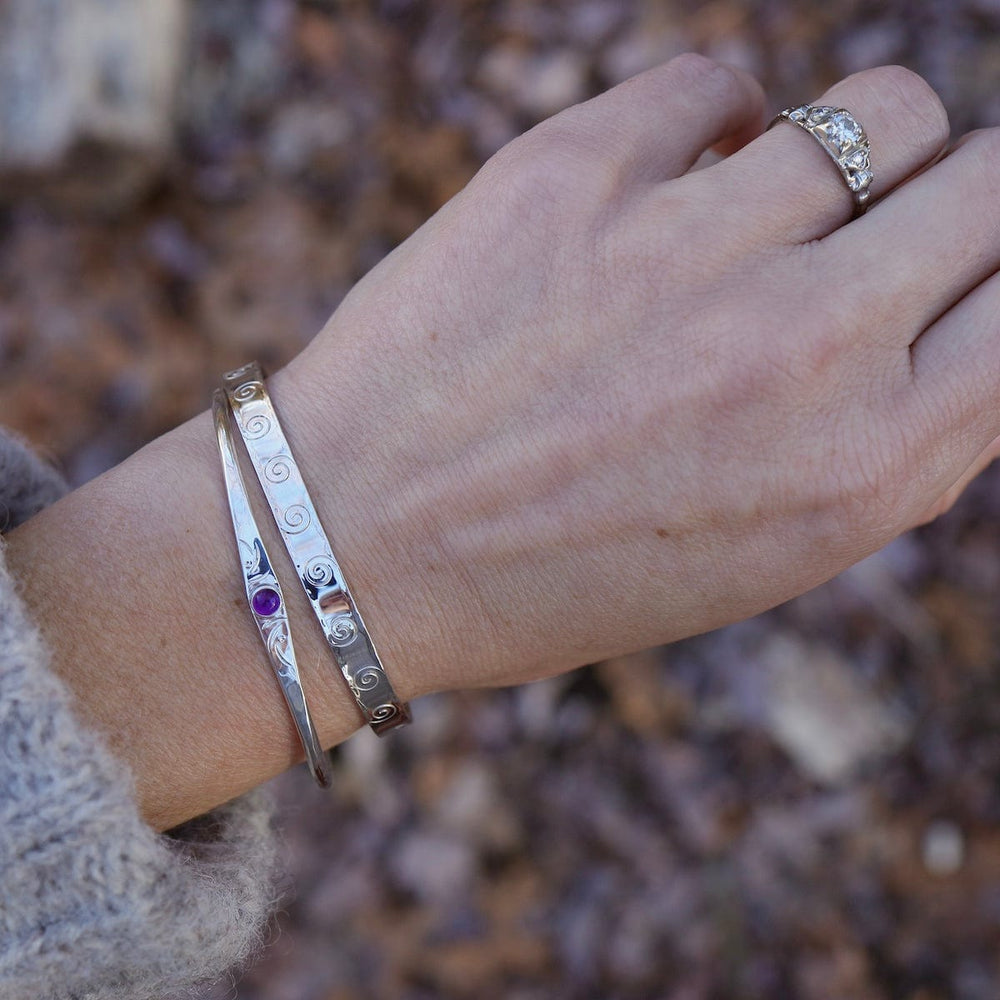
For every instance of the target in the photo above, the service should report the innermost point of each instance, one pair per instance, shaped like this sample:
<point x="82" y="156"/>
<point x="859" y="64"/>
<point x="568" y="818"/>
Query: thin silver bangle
<point x="309" y="549"/>
<point x="264" y="596"/>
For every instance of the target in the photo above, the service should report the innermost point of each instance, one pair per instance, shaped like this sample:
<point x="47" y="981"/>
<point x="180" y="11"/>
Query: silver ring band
<point x="308" y="548"/>
<point x="845" y="141"/>
<point x="264" y="596"/>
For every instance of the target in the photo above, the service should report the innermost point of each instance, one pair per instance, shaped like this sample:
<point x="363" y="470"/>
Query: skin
<point x="596" y="403"/>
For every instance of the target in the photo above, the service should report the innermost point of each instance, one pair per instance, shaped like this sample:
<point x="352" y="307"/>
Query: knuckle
<point x="525" y="180"/>
<point x="534" y="176"/>
<point x="691" y="70"/>
<point x="666" y="237"/>
<point x="899" y="91"/>
<point x="982" y="149"/>
<point x="810" y="347"/>
<point x="812" y="357"/>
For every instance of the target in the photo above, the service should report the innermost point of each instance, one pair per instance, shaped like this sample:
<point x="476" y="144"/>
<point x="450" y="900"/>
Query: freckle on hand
<point x="662" y="533"/>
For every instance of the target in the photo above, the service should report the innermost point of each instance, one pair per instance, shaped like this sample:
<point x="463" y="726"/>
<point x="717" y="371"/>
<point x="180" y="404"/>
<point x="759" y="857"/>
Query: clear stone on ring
<point x="859" y="180"/>
<point x="816" y="115"/>
<point x="843" y="130"/>
<point x="858" y="159"/>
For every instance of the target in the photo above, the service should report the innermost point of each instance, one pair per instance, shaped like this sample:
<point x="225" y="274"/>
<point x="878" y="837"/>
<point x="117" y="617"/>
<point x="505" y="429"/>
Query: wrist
<point x="134" y="583"/>
<point x="378" y="525"/>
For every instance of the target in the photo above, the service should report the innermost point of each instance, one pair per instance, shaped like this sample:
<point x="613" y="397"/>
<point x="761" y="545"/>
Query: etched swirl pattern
<point x="342" y="631"/>
<point x="238" y="373"/>
<point x="368" y="678"/>
<point x="278" y="469"/>
<point x="384" y="712"/>
<point x="248" y="391"/>
<point x="319" y="571"/>
<point x="295" y="519"/>
<point x="257" y="426"/>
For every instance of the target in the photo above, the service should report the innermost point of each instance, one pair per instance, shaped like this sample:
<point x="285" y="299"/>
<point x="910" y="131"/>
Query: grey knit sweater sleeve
<point x="94" y="904"/>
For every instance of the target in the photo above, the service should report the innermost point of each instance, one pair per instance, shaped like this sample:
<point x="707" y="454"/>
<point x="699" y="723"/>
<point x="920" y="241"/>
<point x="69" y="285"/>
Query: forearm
<point x="134" y="581"/>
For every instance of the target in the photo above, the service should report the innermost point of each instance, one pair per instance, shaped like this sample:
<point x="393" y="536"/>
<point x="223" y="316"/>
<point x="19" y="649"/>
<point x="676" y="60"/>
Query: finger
<point x="960" y="142"/>
<point x="745" y="133"/>
<point x="951" y="398"/>
<point x="783" y="188"/>
<point x="658" y="123"/>
<point x="925" y="260"/>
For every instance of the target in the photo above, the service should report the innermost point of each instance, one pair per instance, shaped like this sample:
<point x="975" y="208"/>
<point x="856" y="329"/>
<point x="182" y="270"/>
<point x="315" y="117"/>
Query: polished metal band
<point x="844" y="140"/>
<point x="309" y="549"/>
<point x="267" y="603"/>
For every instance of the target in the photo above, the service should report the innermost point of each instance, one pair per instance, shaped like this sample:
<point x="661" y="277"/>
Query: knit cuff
<point x="27" y="484"/>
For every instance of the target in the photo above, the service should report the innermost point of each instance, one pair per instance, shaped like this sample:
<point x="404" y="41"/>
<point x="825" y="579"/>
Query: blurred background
<point x="802" y="806"/>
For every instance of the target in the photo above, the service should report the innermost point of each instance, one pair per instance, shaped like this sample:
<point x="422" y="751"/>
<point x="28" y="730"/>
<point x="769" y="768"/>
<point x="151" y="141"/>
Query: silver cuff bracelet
<point x="267" y="603"/>
<point x="309" y="550"/>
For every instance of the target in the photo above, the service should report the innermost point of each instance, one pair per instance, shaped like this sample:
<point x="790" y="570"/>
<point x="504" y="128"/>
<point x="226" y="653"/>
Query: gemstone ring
<point x="844" y="139"/>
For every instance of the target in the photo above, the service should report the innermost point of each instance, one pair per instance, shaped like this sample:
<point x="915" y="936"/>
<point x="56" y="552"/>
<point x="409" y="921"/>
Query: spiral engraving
<point x="319" y="571"/>
<point x="248" y="391"/>
<point x="257" y="426"/>
<point x="238" y="373"/>
<point x="368" y="678"/>
<point x="342" y="631"/>
<point x="384" y="712"/>
<point x="295" y="519"/>
<point x="278" y="469"/>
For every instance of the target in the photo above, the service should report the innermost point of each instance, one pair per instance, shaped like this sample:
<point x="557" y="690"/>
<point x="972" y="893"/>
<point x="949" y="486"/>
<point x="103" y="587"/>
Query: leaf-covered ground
<point x="802" y="806"/>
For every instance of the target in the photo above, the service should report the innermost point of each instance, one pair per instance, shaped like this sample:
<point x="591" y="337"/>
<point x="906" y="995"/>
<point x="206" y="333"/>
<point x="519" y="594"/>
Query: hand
<point x="598" y="403"/>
